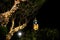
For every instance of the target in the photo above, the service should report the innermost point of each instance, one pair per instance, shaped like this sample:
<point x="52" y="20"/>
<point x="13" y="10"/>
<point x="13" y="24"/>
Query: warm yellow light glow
<point x="35" y="26"/>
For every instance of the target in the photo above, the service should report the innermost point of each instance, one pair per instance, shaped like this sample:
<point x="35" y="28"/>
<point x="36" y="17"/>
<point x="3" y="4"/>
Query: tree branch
<point x="6" y="15"/>
<point x="12" y="31"/>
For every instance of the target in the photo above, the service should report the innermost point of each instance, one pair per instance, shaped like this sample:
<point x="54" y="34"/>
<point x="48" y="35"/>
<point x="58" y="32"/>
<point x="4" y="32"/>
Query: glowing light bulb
<point x="19" y="34"/>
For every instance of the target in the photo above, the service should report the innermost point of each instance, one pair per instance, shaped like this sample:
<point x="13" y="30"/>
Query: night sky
<point x="47" y="16"/>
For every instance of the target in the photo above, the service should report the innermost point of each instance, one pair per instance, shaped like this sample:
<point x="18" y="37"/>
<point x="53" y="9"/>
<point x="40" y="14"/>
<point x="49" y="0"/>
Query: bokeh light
<point x="19" y="34"/>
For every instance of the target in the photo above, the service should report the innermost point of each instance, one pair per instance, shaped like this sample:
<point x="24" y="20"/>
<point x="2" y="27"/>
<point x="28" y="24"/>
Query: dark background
<point x="47" y="17"/>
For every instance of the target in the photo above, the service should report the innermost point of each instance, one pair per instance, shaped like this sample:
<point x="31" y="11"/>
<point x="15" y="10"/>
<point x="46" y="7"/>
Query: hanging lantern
<point x="35" y="27"/>
<point x="35" y="24"/>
